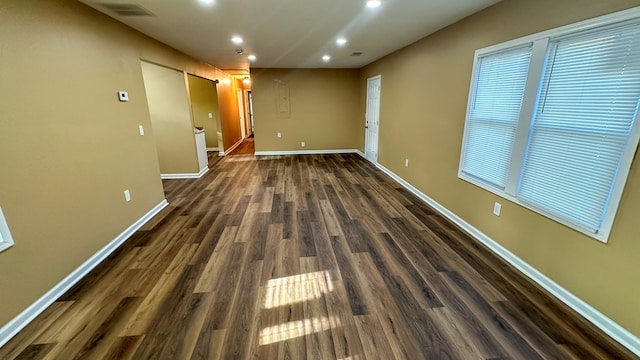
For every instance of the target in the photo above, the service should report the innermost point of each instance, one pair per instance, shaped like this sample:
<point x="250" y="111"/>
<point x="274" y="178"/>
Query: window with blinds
<point x="493" y="115"/>
<point x="567" y="155"/>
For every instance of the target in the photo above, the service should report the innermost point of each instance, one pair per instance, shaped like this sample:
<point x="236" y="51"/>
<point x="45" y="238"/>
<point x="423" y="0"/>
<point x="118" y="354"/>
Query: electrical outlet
<point x="497" y="207"/>
<point x="127" y="195"/>
<point x="279" y="135"/>
<point x="303" y="144"/>
<point x="123" y="96"/>
<point x="406" y="162"/>
<point x="141" y="129"/>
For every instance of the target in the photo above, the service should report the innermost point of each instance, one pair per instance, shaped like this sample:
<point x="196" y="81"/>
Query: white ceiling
<point x="292" y="33"/>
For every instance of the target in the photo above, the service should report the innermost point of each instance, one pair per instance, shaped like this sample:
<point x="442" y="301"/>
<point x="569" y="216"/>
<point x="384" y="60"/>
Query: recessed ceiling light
<point x="326" y="58"/>
<point x="206" y="2"/>
<point x="251" y="57"/>
<point x="374" y="3"/>
<point x="341" y="41"/>
<point x="236" y="40"/>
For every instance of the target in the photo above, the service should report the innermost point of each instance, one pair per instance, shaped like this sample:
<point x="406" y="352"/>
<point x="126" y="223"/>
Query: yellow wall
<point x="323" y="109"/>
<point x="423" y="103"/>
<point x="171" y="119"/>
<point x="204" y="101"/>
<point x="68" y="147"/>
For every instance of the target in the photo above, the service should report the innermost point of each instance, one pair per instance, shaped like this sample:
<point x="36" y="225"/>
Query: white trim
<point x="9" y="330"/>
<point x="186" y="175"/>
<point x="604" y="323"/>
<point x="212" y="149"/>
<point x="221" y="153"/>
<point x="307" y="152"/>
<point x="360" y="153"/>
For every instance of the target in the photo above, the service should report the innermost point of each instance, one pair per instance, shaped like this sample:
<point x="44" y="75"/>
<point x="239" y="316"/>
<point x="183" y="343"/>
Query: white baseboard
<point x="361" y="154"/>
<point x="610" y="327"/>
<point x="186" y="175"/>
<point x="307" y="152"/>
<point x="221" y="153"/>
<point x="212" y="149"/>
<point x="9" y="330"/>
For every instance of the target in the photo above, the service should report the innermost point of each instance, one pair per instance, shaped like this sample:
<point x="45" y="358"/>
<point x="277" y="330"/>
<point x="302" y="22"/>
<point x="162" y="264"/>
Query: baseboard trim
<point x="212" y="149"/>
<point x="604" y="323"/>
<point x="8" y="331"/>
<point x="306" y="152"/>
<point x="186" y="175"/>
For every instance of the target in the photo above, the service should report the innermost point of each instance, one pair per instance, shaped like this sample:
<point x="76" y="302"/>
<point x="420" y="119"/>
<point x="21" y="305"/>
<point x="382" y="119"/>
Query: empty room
<point x="291" y="179"/>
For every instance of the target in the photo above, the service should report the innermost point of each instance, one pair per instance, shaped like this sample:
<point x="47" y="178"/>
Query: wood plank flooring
<point x="304" y="257"/>
<point x="247" y="147"/>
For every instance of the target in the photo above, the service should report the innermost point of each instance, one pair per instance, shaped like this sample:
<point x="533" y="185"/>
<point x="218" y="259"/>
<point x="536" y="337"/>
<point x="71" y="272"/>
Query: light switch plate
<point x="497" y="208"/>
<point x="123" y="96"/>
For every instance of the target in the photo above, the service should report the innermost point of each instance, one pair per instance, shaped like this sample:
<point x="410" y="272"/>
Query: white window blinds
<point x="551" y="121"/>
<point x="493" y="115"/>
<point x="586" y="109"/>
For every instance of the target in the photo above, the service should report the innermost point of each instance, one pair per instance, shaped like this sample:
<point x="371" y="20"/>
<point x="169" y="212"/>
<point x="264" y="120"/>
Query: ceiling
<point x="289" y="33"/>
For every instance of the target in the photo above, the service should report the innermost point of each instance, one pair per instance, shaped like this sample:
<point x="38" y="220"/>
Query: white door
<point x="372" y="117"/>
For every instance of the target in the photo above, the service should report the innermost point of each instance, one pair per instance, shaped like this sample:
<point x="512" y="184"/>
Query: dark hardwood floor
<point x="247" y="147"/>
<point x="304" y="257"/>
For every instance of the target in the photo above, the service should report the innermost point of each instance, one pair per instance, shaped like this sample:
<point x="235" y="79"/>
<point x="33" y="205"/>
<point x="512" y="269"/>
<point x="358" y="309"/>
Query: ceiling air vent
<point x="357" y="53"/>
<point x="126" y="9"/>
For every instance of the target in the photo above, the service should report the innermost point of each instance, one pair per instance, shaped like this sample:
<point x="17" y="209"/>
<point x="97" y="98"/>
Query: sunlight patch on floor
<point x="297" y="288"/>
<point x="294" y="329"/>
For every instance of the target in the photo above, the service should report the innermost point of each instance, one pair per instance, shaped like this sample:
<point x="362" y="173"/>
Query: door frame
<point x="377" y="110"/>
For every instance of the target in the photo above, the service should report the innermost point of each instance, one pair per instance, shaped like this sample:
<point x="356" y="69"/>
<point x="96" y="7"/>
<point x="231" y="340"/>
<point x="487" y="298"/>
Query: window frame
<point x="540" y="42"/>
<point x="6" y="240"/>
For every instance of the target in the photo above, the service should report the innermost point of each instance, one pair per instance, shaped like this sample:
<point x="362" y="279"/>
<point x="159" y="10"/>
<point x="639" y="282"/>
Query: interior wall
<point x="204" y="101"/>
<point x="423" y="103"/>
<point x="171" y="119"/>
<point x="68" y="147"/>
<point x="322" y="109"/>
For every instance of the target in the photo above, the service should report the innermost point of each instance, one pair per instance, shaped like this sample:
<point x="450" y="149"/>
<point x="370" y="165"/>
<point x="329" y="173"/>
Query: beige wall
<point x="323" y="109"/>
<point x="423" y="103"/>
<point x="171" y="119"/>
<point x="204" y="101"/>
<point x="68" y="147"/>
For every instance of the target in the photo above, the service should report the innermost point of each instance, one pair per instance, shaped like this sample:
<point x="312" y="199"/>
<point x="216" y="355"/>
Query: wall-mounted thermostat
<point x="123" y="96"/>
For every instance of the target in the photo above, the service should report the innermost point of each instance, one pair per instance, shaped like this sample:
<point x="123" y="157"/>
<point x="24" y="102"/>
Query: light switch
<point x="210" y="116"/>
<point x="141" y="128"/>
<point x="123" y="96"/>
